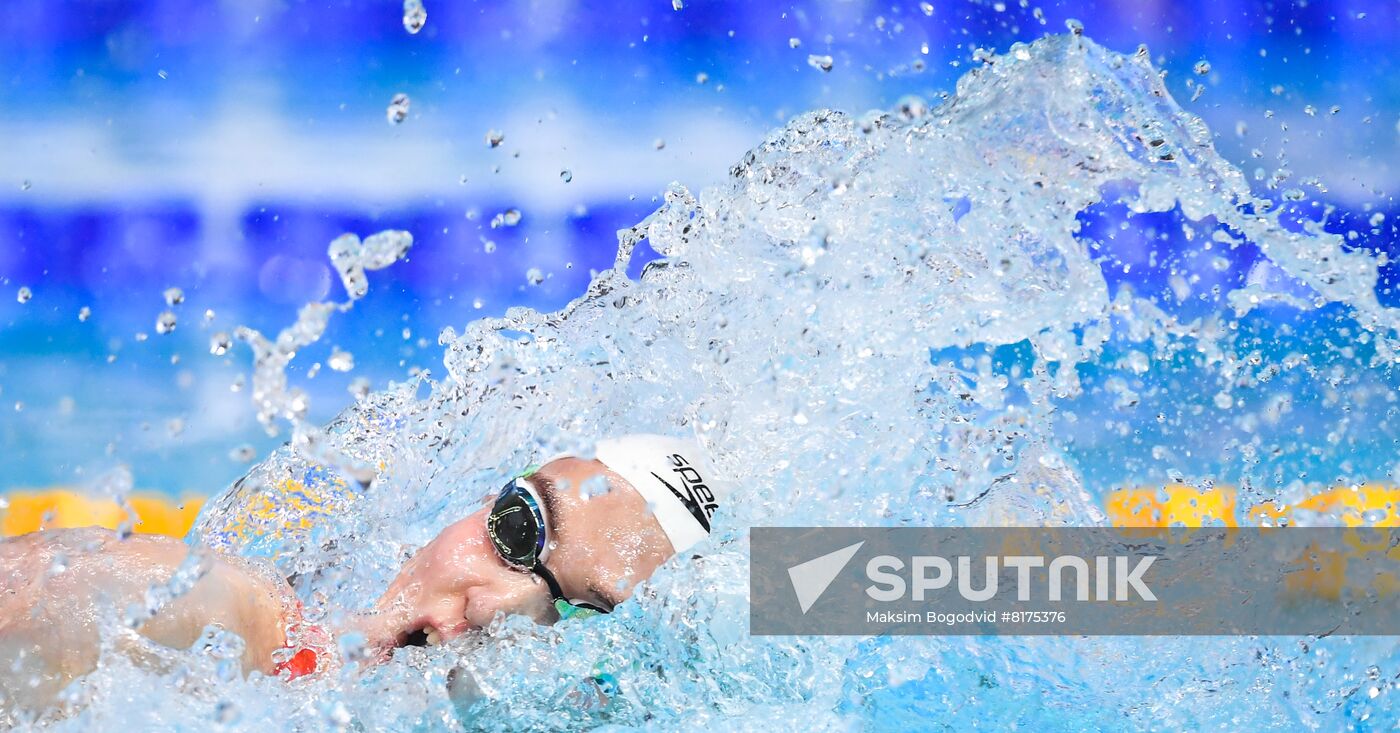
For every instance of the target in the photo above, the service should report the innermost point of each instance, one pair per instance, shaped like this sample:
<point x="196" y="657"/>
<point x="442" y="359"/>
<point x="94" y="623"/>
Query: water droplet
<point x="1201" y="68"/>
<point x="1223" y="400"/>
<point x="24" y="295"/>
<point x="165" y="322"/>
<point x="338" y="715"/>
<point x="593" y="486"/>
<point x="1309" y="110"/>
<point x="1075" y="27"/>
<point x="927" y="8"/>
<point x="494" y="138"/>
<point x="677" y="4"/>
<point x="478" y="303"/>
<point x="25" y="185"/>
<point x="398" y="109"/>
<point x="174" y="296"/>
<point x="359" y="388"/>
<point x="341" y="361"/>
<point x="1334" y="109"/>
<point x="219" y="343"/>
<point x="912" y="107"/>
<point x="208" y="315"/>
<point x="566" y="175"/>
<point x="702" y="78"/>
<point x="381" y="249"/>
<point x="818" y="61"/>
<point x="534" y="276"/>
<point x="243" y="454"/>
<point x="351" y="257"/>
<point x="507" y="218"/>
<point x="488" y="246"/>
<point x="414" y="15"/>
<point x="794" y="42"/>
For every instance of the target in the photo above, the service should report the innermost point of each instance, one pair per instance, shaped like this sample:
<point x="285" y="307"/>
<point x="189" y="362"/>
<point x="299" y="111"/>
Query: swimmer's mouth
<point x="424" y="636"/>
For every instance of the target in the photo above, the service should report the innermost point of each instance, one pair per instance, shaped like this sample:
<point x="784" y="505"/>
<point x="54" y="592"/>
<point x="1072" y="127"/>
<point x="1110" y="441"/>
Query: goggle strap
<point x="555" y="591"/>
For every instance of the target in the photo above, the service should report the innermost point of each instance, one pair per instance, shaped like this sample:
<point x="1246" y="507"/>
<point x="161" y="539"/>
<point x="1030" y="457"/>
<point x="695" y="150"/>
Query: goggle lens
<point x="514" y="527"/>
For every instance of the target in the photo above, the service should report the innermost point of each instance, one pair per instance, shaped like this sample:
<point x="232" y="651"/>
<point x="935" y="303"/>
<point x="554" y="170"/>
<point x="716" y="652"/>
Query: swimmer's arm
<point x="57" y="588"/>
<point x="231" y="596"/>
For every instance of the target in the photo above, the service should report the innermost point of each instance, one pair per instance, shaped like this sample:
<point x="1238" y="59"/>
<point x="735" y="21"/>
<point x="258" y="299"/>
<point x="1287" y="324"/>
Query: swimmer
<point x="551" y="544"/>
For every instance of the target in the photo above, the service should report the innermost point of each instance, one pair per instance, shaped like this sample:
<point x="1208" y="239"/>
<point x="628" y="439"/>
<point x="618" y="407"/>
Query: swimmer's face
<point x="602" y="547"/>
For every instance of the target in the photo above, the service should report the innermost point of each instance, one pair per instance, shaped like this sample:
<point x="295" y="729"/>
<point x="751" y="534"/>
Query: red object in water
<point x="304" y="662"/>
<point x="301" y="664"/>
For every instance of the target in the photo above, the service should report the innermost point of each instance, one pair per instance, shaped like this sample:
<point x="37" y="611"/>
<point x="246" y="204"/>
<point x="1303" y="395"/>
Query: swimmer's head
<point x="610" y="523"/>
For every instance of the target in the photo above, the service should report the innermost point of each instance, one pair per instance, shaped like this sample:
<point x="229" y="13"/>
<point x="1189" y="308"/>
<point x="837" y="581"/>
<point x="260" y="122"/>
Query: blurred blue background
<point x="219" y="146"/>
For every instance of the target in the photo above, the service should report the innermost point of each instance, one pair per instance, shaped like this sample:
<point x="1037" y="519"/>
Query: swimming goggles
<point x="519" y="531"/>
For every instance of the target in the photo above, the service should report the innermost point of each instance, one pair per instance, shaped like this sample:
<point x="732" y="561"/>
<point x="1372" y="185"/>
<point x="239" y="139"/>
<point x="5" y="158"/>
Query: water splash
<point x="397" y="111"/>
<point x="166" y="322"/>
<point x="271" y="393"/>
<point x="900" y="319"/>
<point x="415" y="16"/>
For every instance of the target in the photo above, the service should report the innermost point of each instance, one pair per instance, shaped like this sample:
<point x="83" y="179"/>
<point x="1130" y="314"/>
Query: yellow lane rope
<point x="27" y="511"/>
<point x="1172" y="505"/>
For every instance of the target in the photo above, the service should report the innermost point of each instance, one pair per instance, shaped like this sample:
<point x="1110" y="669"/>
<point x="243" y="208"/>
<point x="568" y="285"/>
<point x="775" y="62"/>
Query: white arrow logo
<point x="811" y="579"/>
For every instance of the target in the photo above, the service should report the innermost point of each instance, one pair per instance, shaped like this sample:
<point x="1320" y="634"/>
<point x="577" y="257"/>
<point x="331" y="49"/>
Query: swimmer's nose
<point x="429" y="597"/>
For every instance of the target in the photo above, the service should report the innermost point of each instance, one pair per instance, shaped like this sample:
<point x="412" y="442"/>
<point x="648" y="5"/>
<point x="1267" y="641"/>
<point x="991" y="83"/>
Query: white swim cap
<point x="673" y="476"/>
